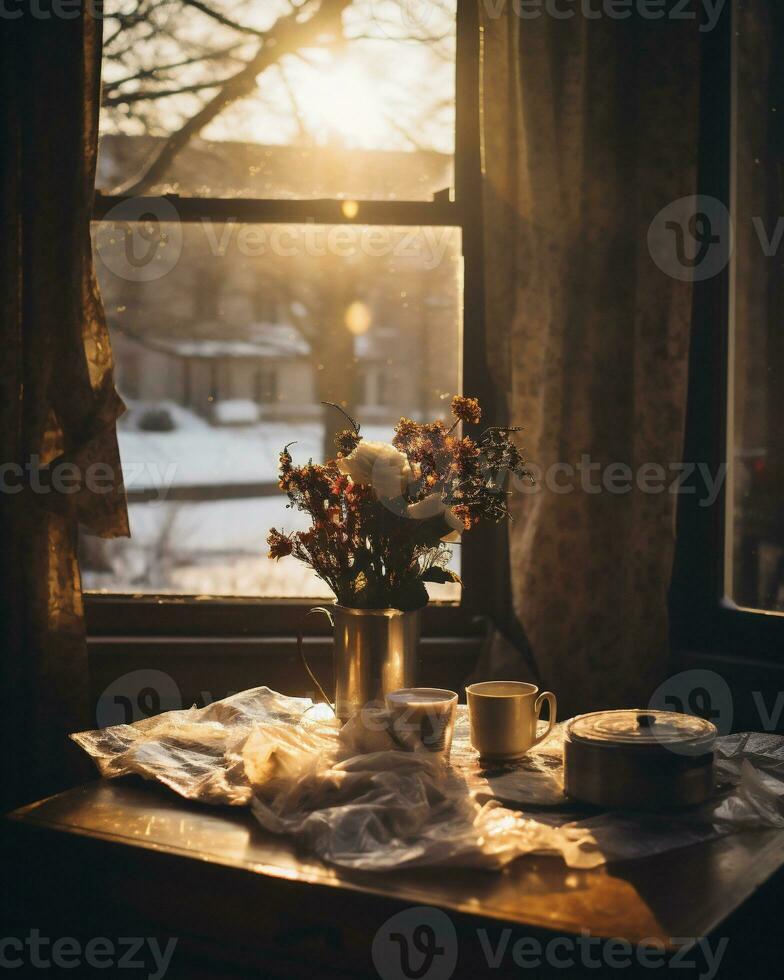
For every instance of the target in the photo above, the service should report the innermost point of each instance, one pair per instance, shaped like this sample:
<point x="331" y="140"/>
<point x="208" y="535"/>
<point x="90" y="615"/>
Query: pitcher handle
<point x="301" y="650"/>
<point x="550" y="698"/>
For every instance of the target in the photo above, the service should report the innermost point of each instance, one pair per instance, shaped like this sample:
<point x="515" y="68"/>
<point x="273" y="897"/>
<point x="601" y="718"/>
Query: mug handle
<point x="300" y="648"/>
<point x="550" y="698"/>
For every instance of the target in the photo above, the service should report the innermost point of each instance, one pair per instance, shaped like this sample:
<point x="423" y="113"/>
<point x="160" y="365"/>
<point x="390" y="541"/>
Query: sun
<point x="348" y="99"/>
<point x="340" y="100"/>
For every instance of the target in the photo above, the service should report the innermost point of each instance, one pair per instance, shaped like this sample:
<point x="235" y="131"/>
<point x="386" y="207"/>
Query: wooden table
<point x="125" y="858"/>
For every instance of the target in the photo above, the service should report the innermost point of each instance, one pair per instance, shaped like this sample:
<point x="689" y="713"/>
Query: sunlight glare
<point x="342" y="101"/>
<point x="358" y="318"/>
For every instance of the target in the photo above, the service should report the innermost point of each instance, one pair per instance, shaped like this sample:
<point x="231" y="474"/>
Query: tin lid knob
<point x="646" y="720"/>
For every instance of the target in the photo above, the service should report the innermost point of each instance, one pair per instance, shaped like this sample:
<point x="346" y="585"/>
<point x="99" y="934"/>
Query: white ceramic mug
<point x="423" y="719"/>
<point x="503" y="717"/>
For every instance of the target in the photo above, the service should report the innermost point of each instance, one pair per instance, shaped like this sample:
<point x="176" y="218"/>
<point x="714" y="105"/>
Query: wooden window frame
<point x="703" y="619"/>
<point x="179" y="616"/>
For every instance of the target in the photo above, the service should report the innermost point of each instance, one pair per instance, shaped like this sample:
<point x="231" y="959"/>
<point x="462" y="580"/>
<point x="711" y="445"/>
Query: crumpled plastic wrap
<point x="200" y="752"/>
<point x="356" y="801"/>
<point x="393" y="809"/>
<point x="752" y="763"/>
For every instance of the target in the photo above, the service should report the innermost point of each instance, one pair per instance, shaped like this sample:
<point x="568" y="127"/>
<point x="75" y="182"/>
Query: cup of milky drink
<point x="422" y="719"/>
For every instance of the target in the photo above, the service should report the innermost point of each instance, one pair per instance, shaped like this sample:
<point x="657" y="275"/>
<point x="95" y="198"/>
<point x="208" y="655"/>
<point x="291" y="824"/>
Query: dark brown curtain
<point x="590" y="128"/>
<point x="58" y="410"/>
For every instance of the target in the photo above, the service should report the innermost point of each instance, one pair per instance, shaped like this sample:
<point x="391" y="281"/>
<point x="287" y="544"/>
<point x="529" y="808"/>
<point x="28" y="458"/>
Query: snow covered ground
<point x="213" y="547"/>
<point x="197" y="453"/>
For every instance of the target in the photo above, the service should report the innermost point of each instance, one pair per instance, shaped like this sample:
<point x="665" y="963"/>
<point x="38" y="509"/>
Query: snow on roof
<point x="261" y="340"/>
<point x="236" y="169"/>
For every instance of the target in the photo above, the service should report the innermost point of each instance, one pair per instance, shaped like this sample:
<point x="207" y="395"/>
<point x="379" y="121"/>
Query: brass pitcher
<point x="374" y="652"/>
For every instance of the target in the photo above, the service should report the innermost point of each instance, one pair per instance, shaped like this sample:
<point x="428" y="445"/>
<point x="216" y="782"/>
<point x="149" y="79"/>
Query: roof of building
<point x="267" y="340"/>
<point x="232" y="169"/>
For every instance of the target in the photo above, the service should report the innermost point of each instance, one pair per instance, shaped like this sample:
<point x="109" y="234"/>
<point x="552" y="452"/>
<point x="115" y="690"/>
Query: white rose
<point x="378" y="465"/>
<point x="434" y="506"/>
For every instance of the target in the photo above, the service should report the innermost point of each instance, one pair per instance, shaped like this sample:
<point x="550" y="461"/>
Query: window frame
<point x="113" y="614"/>
<point x="703" y="619"/>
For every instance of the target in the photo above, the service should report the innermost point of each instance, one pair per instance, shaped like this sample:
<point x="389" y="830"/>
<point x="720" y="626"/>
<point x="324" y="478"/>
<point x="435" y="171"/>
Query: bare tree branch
<point x="399" y="128"/>
<point x="288" y="35"/>
<point x="145" y="74"/>
<point x="145" y="96"/>
<point x="222" y="19"/>
<point x="415" y="38"/>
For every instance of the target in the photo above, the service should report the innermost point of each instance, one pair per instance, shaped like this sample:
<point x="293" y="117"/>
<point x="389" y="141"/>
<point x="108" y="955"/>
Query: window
<point x="267" y="385"/>
<point x="728" y="594"/>
<point x="755" y="542"/>
<point x="285" y="216"/>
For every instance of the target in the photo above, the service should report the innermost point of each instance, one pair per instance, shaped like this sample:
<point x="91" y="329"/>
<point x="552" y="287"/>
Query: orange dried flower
<point x="279" y="544"/>
<point x="464" y="450"/>
<point x="466" y="409"/>
<point x="339" y="485"/>
<point x="464" y="515"/>
<point x="285" y="468"/>
<point x="405" y="431"/>
<point x="347" y="441"/>
<point x="433" y="430"/>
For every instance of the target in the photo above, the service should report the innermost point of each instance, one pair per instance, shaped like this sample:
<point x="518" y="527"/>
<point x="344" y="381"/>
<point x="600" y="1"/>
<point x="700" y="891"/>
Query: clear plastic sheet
<point x="752" y="764"/>
<point x="354" y="800"/>
<point x="200" y="752"/>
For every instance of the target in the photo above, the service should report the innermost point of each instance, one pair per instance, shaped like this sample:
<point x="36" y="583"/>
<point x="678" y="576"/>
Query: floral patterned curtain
<point x="58" y="408"/>
<point x="590" y="129"/>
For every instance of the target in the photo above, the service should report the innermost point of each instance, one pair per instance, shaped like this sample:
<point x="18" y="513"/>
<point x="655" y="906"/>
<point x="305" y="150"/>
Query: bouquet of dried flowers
<point x="383" y="513"/>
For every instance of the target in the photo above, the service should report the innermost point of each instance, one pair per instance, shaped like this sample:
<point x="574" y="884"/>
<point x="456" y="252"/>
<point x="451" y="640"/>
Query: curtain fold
<point x="60" y="461"/>
<point x="590" y="128"/>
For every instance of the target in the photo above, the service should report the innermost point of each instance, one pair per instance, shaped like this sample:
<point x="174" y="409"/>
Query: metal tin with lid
<point x="638" y="758"/>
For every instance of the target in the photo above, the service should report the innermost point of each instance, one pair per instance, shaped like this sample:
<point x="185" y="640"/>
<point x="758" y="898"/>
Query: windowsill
<point x="200" y="617"/>
<point x="207" y="650"/>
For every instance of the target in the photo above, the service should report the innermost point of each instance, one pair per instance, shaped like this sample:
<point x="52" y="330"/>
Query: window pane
<point x="756" y="538"/>
<point x="226" y="339"/>
<point x="196" y="100"/>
